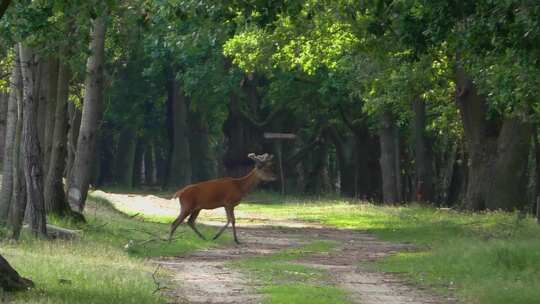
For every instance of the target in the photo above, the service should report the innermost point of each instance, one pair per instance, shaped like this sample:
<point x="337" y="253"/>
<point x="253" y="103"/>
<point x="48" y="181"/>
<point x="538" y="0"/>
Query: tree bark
<point x="508" y="183"/>
<point x="79" y="178"/>
<point x="138" y="163"/>
<point x="424" y="186"/>
<point x="10" y="280"/>
<point x="4" y="101"/>
<point x="55" y="198"/>
<point x="150" y="177"/>
<point x="497" y="150"/>
<point x="201" y="157"/>
<point x="11" y="126"/>
<point x="18" y="198"/>
<point x="125" y="157"/>
<point x="387" y="161"/>
<point x="31" y="150"/>
<point x="179" y="169"/>
<point x="74" y="126"/>
<point x="50" y="111"/>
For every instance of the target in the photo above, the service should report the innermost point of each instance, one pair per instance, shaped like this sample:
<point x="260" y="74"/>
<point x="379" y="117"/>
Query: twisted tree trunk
<point x="81" y="172"/>
<point x="497" y="149"/>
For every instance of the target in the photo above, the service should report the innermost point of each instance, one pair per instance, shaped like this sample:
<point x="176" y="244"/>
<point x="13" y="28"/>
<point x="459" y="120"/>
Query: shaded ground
<point x="203" y="277"/>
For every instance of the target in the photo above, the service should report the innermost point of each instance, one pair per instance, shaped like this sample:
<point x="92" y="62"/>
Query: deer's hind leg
<point x="191" y="223"/>
<point x="184" y="212"/>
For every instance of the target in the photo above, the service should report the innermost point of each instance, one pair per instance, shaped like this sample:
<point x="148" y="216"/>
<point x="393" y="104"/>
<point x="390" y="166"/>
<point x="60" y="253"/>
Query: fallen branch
<point x="158" y="284"/>
<point x="57" y="232"/>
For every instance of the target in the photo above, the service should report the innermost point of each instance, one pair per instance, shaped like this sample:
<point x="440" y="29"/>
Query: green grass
<point x="490" y="257"/>
<point x="282" y="281"/>
<point x="97" y="267"/>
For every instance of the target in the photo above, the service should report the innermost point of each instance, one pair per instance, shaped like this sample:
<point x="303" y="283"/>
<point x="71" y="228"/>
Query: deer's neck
<point x="248" y="182"/>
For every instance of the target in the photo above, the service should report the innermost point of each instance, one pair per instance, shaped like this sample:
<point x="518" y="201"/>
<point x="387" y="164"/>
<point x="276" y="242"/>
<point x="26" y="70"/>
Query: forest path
<point x="206" y="277"/>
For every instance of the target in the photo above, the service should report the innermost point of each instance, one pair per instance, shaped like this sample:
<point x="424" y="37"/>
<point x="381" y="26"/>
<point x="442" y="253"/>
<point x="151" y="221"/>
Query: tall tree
<point x="80" y="175"/>
<point x="55" y="198"/>
<point x="7" y="174"/>
<point x="32" y="162"/>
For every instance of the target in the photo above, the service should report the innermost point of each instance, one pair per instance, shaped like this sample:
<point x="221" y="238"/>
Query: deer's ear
<point x="252" y="156"/>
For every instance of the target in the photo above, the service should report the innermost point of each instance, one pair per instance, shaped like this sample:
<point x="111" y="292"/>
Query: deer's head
<point x="263" y="166"/>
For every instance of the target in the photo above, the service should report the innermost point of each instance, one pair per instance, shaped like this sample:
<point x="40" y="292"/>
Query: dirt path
<point x="202" y="277"/>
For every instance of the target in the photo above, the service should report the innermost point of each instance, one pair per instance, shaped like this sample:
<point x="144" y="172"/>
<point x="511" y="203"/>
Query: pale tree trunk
<point x="74" y="115"/>
<point x="18" y="198"/>
<point x="4" y="100"/>
<point x="79" y="178"/>
<point x="10" y="280"/>
<point x="30" y="144"/>
<point x="389" y="171"/>
<point x="55" y="199"/>
<point x="50" y="112"/>
<point x="179" y="169"/>
<point x="42" y="93"/>
<point x="11" y="125"/>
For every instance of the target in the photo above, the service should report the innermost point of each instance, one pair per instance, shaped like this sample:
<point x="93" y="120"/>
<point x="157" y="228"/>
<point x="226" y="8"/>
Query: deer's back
<point x="211" y="194"/>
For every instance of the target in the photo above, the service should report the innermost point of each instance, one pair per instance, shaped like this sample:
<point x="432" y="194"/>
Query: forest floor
<point x="279" y="261"/>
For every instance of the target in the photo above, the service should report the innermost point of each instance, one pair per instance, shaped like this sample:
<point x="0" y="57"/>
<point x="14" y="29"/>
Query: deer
<point x="222" y="192"/>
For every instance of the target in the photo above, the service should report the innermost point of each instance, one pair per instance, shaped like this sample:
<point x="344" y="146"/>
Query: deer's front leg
<point x="232" y="219"/>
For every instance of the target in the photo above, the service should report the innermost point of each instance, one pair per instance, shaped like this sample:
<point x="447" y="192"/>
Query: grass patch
<point x="283" y="281"/>
<point x="97" y="267"/>
<point x="489" y="257"/>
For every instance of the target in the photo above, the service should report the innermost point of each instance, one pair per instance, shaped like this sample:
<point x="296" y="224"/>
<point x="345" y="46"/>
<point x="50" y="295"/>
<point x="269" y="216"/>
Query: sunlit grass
<point x="105" y="264"/>
<point x="489" y="257"/>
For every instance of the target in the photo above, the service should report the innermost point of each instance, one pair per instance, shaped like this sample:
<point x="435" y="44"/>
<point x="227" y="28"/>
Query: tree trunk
<point x="10" y="280"/>
<point x="11" y="126"/>
<point x="201" y="157"/>
<point x="74" y="126"/>
<point x="179" y="169"/>
<point x="387" y="161"/>
<point x="42" y="93"/>
<point x="138" y="163"/>
<point x="125" y="157"/>
<point x="424" y="186"/>
<point x="55" y="198"/>
<point x="242" y="136"/>
<point x="18" y="198"/>
<point x="497" y="151"/>
<point x="50" y="111"/>
<point x="30" y="144"/>
<point x="508" y="183"/>
<point x="317" y="179"/>
<point x="79" y="178"/>
<point x="150" y="176"/>
<point x="4" y="100"/>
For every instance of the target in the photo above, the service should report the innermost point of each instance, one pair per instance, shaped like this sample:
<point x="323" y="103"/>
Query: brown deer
<point x="222" y="192"/>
